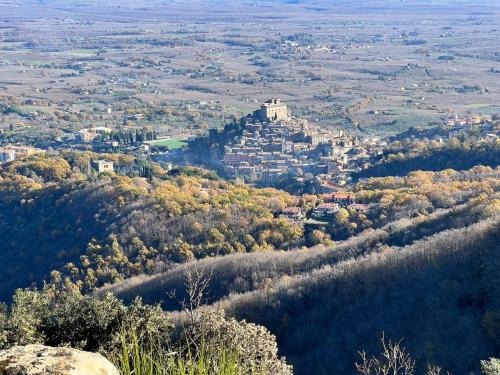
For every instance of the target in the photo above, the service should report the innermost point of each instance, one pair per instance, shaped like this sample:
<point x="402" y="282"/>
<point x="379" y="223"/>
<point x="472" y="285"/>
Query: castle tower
<point x="273" y="110"/>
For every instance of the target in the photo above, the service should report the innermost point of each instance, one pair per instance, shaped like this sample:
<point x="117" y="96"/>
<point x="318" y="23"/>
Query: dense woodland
<point x="431" y="280"/>
<point x="402" y="157"/>
<point x="426" y="272"/>
<point x="93" y="229"/>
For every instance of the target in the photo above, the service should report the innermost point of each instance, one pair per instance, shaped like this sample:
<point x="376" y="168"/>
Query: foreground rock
<point x="45" y="360"/>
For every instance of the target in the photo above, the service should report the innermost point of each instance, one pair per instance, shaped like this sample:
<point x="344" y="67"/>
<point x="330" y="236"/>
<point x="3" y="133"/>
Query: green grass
<point x="146" y="358"/>
<point x="172" y="144"/>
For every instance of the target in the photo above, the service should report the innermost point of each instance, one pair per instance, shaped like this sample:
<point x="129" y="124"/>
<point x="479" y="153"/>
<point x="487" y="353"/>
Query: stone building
<point x="11" y="152"/>
<point x="272" y="110"/>
<point x="103" y="166"/>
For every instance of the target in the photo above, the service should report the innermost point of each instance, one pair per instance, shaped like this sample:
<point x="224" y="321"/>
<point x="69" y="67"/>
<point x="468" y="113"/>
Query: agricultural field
<point x="373" y="67"/>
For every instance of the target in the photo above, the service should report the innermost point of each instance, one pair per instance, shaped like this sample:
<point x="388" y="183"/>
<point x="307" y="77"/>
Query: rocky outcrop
<point x="45" y="360"/>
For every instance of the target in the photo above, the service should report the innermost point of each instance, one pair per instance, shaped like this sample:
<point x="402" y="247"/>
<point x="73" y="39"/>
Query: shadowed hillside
<point x="430" y="283"/>
<point x="245" y="272"/>
<point x="433" y="293"/>
<point x="403" y="158"/>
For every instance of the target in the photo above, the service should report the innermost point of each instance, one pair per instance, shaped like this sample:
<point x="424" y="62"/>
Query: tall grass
<point x="145" y="357"/>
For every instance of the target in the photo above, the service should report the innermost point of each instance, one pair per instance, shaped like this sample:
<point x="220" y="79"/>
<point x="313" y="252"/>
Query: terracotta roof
<point x="327" y="206"/>
<point x="343" y="196"/>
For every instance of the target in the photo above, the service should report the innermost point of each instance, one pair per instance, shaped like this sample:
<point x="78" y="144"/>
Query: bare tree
<point x="197" y="284"/>
<point x="436" y="370"/>
<point x="394" y="360"/>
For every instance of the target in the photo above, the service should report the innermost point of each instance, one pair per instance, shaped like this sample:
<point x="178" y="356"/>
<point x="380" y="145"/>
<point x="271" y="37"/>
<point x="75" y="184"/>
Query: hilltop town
<point x="271" y="146"/>
<point x="268" y="147"/>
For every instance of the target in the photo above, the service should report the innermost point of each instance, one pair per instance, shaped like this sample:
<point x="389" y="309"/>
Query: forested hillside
<point x="430" y="278"/>
<point x="93" y="229"/>
<point x="420" y="264"/>
<point x="56" y="213"/>
<point x="325" y="305"/>
<point x="432" y="293"/>
<point x="407" y="209"/>
<point x="402" y="157"/>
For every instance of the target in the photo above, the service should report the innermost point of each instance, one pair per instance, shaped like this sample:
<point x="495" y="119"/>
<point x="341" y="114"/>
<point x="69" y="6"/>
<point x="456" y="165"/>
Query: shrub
<point x="140" y="338"/>
<point x="491" y="367"/>
<point x="255" y="346"/>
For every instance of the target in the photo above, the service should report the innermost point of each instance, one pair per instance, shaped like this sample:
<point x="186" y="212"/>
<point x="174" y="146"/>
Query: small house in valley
<point x="103" y="166"/>
<point x="292" y="213"/>
<point x="325" y="210"/>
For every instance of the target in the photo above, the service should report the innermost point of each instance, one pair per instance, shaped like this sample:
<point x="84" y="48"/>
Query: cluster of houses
<point x="11" y="152"/>
<point x="461" y="125"/>
<point x="326" y="210"/>
<point x="275" y="145"/>
<point x="459" y="120"/>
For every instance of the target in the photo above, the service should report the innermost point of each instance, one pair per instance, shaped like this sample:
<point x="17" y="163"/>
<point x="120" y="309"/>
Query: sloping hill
<point x="441" y="294"/>
<point x="325" y="305"/>
<point x="57" y="214"/>
<point x="241" y="273"/>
